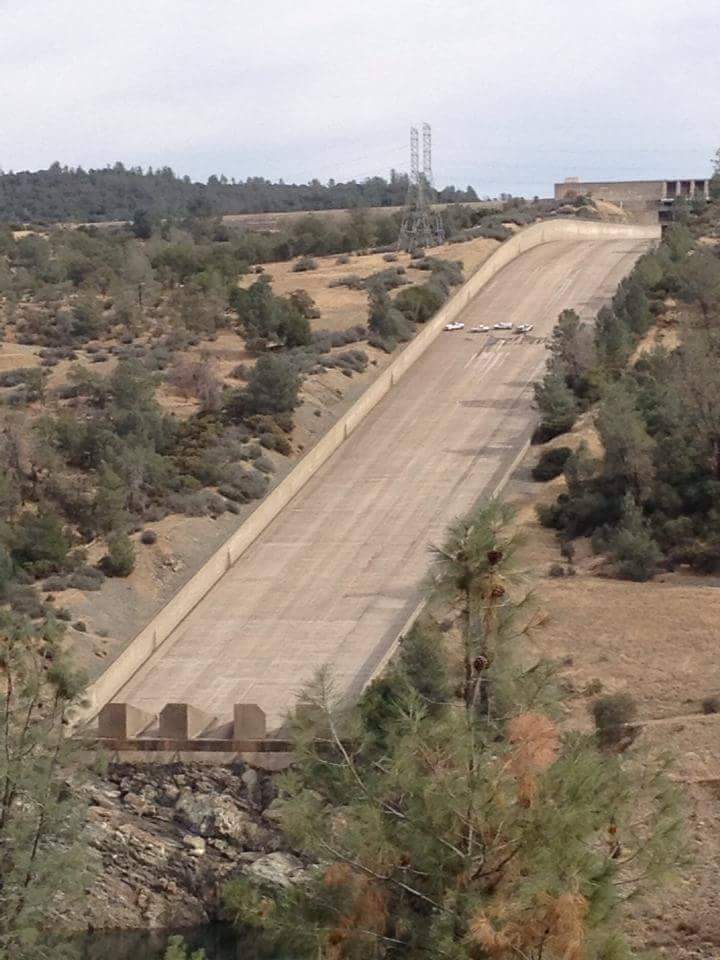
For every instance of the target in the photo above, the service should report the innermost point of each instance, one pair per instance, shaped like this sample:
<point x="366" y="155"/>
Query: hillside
<point x="629" y="487"/>
<point x="99" y="327"/>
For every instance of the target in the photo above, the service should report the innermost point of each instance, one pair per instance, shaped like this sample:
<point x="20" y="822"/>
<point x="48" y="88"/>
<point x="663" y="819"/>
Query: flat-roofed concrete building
<point x="633" y="192"/>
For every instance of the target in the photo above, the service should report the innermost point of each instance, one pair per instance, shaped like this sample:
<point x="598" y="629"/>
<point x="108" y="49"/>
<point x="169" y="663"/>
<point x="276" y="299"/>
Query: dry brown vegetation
<point x="341" y="307"/>
<point x="191" y="383"/>
<point x="658" y="642"/>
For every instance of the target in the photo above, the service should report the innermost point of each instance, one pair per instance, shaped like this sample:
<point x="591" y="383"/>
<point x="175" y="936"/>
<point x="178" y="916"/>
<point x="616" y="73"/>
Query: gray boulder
<point x="278" y="869"/>
<point x="212" y="816"/>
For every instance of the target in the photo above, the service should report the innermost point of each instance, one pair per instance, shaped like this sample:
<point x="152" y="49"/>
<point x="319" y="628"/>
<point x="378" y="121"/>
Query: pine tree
<point x="628" y="461"/>
<point x="43" y="860"/>
<point x="612" y="340"/>
<point x="465" y="833"/>
<point x="556" y="403"/>
<point x="571" y="348"/>
<point x="631" y="545"/>
<point x="471" y="571"/>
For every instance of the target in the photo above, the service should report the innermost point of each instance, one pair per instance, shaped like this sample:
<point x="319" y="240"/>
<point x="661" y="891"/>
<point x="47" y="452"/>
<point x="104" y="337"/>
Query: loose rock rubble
<point x="166" y="838"/>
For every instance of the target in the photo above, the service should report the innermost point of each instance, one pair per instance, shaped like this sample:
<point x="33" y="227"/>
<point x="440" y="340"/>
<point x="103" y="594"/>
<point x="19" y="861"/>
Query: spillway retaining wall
<point x="145" y="643"/>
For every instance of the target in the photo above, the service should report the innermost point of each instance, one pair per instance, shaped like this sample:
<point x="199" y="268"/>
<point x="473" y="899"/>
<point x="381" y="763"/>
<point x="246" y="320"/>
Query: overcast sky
<point x="519" y="92"/>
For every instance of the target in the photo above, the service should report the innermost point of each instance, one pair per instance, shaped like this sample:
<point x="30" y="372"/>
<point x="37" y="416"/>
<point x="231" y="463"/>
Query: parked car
<point x="455" y="326"/>
<point x="481" y="329"/>
<point x="525" y="327"/>
<point x="504" y="325"/>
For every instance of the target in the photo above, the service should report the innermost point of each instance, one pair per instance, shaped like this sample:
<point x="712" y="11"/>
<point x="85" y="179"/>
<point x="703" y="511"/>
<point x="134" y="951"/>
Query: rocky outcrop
<point x="166" y="837"/>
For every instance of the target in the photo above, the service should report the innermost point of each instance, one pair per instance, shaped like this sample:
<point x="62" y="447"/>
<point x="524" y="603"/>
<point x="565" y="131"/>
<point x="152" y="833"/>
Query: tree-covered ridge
<point x="117" y="192"/>
<point x="650" y="501"/>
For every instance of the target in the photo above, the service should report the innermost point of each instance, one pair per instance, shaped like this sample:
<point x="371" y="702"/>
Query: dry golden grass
<point x="14" y="356"/>
<point x="341" y="307"/>
<point x="271" y="222"/>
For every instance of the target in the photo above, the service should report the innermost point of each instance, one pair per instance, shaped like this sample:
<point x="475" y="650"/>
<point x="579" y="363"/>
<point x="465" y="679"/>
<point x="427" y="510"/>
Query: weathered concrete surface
<point x="146" y="643"/>
<point x="179" y="721"/>
<point x="337" y="573"/>
<point x="122" y="721"/>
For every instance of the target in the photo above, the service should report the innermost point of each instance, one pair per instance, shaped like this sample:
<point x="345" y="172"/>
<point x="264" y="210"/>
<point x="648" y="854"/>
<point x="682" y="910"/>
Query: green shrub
<point x="551" y="463"/>
<point x="197" y="503"/>
<point x="351" y="281"/>
<point x="7" y="569"/>
<point x="613" y="715"/>
<point x="120" y="559"/>
<point x="419" y="304"/>
<point x="701" y="557"/>
<point x="13" y="378"/>
<point x="250" y="451"/>
<point x="303" y="264"/>
<point x="272" y="387"/>
<point x="386" y="279"/>
<point x="282" y="445"/>
<point x="80" y="581"/>
<point x="420" y="667"/>
<point x="386" y="324"/>
<point x="265" y="465"/>
<point x="304" y="304"/>
<point x="251" y="484"/>
<point x="240" y="372"/>
<point x="56" y="583"/>
<point x="24" y="600"/>
<point x="636" y="555"/>
<point x="631" y="547"/>
<point x="41" y="543"/>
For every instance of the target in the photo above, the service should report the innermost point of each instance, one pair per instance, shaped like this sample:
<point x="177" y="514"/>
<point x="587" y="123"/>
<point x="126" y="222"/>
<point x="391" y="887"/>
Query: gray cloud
<point x="519" y="92"/>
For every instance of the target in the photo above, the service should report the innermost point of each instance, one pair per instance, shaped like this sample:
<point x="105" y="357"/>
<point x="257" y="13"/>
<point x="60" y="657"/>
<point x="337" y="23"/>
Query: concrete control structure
<point x="633" y="192"/>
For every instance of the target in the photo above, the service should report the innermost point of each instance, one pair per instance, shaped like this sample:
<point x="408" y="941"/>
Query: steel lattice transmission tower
<point x="421" y="225"/>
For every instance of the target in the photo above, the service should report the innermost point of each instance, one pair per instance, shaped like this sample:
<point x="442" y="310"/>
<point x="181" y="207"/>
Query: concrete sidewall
<point x="142" y="647"/>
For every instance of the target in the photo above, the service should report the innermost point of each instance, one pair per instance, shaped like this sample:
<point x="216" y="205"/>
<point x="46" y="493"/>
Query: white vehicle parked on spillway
<point x="503" y="325"/>
<point x="481" y="329"/>
<point x="455" y="326"/>
<point x="525" y="327"/>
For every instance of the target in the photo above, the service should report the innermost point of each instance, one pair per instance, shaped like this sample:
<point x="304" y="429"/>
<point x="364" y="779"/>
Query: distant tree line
<point x="116" y="192"/>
